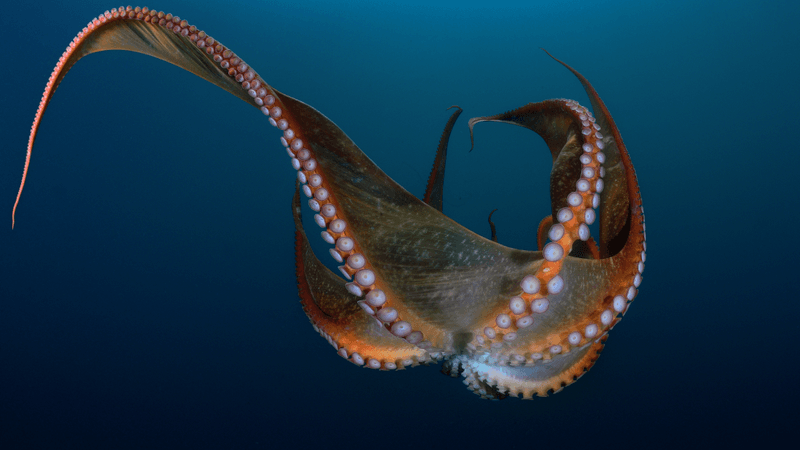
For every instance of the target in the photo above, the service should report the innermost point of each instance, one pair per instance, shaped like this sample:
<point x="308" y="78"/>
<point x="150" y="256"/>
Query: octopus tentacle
<point x="361" y="210"/>
<point x="623" y="216"/>
<point x="567" y="129"/>
<point x="622" y="239"/>
<point x="163" y="36"/>
<point x="434" y="193"/>
<point x="355" y="335"/>
<point x="527" y="380"/>
<point x="169" y="38"/>
<point x="613" y="280"/>
<point x="492" y="227"/>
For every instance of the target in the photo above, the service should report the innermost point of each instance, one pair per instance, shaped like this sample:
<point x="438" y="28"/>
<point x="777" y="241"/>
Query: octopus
<point x="415" y="287"/>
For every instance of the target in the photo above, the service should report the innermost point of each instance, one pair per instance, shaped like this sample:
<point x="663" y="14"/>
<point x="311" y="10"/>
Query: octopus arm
<point x="366" y="214"/>
<point x="434" y="193"/>
<point x="619" y="198"/>
<point x="140" y="32"/>
<point x="622" y="218"/>
<point x="336" y="315"/>
<point x="497" y="381"/>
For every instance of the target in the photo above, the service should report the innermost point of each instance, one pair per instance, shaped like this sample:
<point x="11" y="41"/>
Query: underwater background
<point x="147" y="292"/>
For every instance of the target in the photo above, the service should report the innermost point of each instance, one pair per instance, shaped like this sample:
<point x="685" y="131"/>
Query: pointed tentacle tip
<point x="471" y="123"/>
<point x="556" y="59"/>
<point x="492" y="227"/>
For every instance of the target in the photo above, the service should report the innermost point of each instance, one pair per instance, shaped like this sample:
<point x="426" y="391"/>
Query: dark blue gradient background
<point x="147" y="294"/>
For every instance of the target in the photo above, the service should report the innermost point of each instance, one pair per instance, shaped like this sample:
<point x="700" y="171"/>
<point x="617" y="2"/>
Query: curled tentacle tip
<point x="471" y="123"/>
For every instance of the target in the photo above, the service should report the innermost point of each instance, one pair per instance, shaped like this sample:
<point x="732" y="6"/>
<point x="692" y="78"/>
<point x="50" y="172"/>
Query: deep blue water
<point x="148" y="297"/>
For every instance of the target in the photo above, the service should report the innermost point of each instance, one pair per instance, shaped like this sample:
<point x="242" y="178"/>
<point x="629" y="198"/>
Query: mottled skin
<point x="449" y="284"/>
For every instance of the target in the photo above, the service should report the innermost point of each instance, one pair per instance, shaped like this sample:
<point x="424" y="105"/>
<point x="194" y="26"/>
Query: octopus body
<point x="414" y="287"/>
